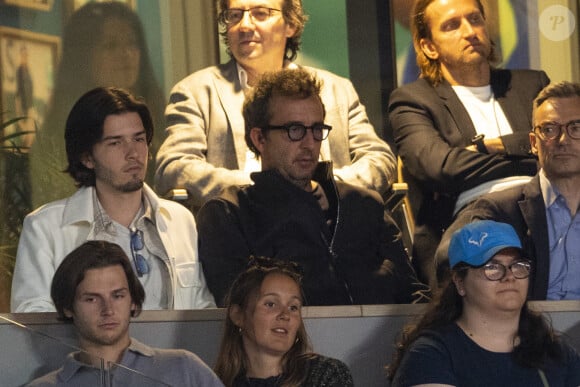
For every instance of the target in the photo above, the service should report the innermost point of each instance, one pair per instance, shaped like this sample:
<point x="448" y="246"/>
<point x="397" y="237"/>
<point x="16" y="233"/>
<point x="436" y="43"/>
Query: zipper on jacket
<point x="330" y="245"/>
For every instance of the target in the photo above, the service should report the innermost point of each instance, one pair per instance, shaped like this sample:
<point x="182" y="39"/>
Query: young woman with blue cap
<point x="479" y="331"/>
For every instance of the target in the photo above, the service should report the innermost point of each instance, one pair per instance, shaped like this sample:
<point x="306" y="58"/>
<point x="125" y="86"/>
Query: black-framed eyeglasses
<point x="235" y="15"/>
<point x="495" y="271"/>
<point x="297" y="132"/>
<point x="137" y="244"/>
<point x="553" y="130"/>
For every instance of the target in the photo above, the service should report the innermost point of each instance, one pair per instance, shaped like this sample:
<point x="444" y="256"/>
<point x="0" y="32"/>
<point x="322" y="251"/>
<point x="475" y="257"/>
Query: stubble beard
<point x="131" y="186"/>
<point x="106" y="175"/>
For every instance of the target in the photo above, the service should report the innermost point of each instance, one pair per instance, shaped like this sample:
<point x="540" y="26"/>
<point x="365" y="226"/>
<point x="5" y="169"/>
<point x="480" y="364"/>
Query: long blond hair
<point x="421" y="29"/>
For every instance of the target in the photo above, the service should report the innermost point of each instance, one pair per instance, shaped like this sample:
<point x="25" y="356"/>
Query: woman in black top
<point x="265" y="341"/>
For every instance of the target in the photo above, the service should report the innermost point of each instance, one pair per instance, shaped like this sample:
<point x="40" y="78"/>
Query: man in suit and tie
<point x="205" y="150"/>
<point x="462" y="128"/>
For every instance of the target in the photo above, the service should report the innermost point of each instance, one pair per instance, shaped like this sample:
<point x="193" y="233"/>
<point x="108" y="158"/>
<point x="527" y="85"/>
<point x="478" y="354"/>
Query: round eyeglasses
<point x="553" y="130"/>
<point x="297" y="132"/>
<point x="235" y="15"/>
<point x="495" y="271"/>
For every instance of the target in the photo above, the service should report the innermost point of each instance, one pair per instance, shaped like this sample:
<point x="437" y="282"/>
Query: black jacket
<point x="431" y="128"/>
<point x="522" y="207"/>
<point x="360" y="260"/>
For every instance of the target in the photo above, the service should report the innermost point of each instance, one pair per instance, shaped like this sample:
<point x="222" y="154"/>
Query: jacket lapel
<point x="501" y="85"/>
<point x="534" y="214"/>
<point x="231" y="96"/>
<point x="456" y="110"/>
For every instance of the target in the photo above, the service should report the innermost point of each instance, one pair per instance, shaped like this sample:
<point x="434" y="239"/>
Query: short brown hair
<point x="91" y="255"/>
<point x="563" y="89"/>
<point x="295" y="83"/>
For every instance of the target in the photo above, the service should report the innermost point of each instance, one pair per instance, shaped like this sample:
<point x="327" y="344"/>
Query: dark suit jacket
<point x="431" y="128"/>
<point x="522" y="207"/>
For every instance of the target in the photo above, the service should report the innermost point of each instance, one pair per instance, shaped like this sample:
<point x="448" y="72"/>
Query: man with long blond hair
<point x="462" y="128"/>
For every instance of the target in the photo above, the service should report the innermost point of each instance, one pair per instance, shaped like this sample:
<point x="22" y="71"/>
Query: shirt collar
<point x="72" y="365"/>
<point x="549" y="191"/>
<point x="243" y="74"/>
<point x="140" y="348"/>
<point x="104" y="223"/>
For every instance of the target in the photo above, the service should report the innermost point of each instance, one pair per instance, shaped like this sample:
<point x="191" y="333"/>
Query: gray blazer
<point x="205" y="151"/>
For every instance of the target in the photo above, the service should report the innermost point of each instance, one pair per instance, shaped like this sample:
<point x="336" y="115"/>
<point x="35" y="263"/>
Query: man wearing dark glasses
<point x="205" y="151"/>
<point x="544" y="211"/>
<point x="347" y="246"/>
<point x="107" y="137"/>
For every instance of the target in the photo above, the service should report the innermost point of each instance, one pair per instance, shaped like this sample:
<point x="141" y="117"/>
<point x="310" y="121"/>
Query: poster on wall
<point x="27" y="65"/>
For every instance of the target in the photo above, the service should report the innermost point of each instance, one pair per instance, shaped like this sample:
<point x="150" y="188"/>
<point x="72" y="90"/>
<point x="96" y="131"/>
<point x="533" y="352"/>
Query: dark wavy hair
<point x="538" y="342"/>
<point x="420" y="29"/>
<point x="91" y="255"/>
<point x="293" y="14"/>
<point x="84" y="126"/>
<point x="294" y="83"/>
<point x="81" y="36"/>
<point x="232" y="361"/>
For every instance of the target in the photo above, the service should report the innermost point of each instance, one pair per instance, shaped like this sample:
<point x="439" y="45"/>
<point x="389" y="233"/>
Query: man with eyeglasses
<point x="205" y="151"/>
<point x="461" y="128"/>
<point x="107" y="138"/>
<point x="544" y="211"/>
<point x="347" y="246"/>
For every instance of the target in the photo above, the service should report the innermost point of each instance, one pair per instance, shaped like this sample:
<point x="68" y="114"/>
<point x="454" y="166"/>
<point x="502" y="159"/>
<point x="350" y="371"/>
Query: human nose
<point x="106" y="307"/>
<point x="131" y="149"/>
<point x="466" y="27"/>
<point x="508" y="274"/>
<point x="308" y="141"/>
<point x="247" y="21"/>
<point x="283" y="314"/>
<point x="563" y="136"/>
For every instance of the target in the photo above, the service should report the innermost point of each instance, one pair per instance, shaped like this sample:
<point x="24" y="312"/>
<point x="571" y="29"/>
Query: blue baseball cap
<point x="477" y="242"/>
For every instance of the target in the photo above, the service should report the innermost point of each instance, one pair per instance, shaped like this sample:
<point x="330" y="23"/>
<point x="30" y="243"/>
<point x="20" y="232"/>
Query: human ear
<point x="290" y="30"/>
<point x="429" y="49"/>
<point x="258" y="139"/>
<point x="533" y="143"/>
<point x="458" y="282"/>
<point x="87" y="161"/>
<point x="236" y="314"/>
<point x="68" y="313"/>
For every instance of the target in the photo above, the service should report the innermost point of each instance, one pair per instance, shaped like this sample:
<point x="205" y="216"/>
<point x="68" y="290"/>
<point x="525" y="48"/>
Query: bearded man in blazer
<point x="461" y="129"/>
<point x="205" y="150"/>
<point x="544" y="211"/>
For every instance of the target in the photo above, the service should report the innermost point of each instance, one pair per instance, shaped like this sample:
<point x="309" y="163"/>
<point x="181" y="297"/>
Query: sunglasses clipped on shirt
<point x="139" y="260"/>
